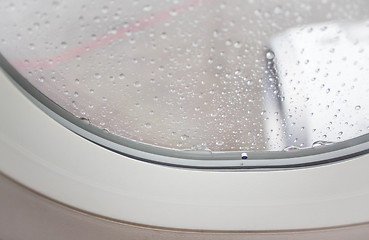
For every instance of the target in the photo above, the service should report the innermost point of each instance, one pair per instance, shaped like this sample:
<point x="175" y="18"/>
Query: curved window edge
<point x="182" y="158"/>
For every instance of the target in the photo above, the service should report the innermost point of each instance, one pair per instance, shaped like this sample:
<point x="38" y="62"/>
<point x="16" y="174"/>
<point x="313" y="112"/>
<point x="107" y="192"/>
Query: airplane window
<point x="198" y="75"/>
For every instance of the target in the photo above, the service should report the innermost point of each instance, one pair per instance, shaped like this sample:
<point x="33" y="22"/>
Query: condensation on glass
<point x="190" y="74"/>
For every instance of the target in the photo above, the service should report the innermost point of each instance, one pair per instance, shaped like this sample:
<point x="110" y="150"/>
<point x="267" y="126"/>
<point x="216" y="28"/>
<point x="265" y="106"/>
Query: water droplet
<point x="121" y="76"/>
<point x="270" y="55"/>
<point x="86" y="120"/>
<point x="97" y="75"/>
<point x="147" y="8"/>
<point x="137" y="84"/>
<point x="173" y="12"/>
<point x="357" y="107"/>
<point x="163" y="35"/>
<point x="104" y="10"/>
<point x="291" y="148"/>
<point x="147" y="125"/>
<point x="219" y="143"/>
<point x="96" y="19"/>
<point x="237" y="44"/>
<point x="184" y="137"/>
<point x="277" y="10"/>
<point x="244" y="155"/>
<point x="321" y="143"/>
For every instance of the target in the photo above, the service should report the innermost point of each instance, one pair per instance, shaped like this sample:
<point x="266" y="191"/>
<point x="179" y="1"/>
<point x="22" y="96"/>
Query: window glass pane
<point x="190" y="74"/>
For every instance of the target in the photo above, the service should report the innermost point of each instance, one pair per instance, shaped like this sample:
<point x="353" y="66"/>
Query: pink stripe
<point x="105" y="39"/>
